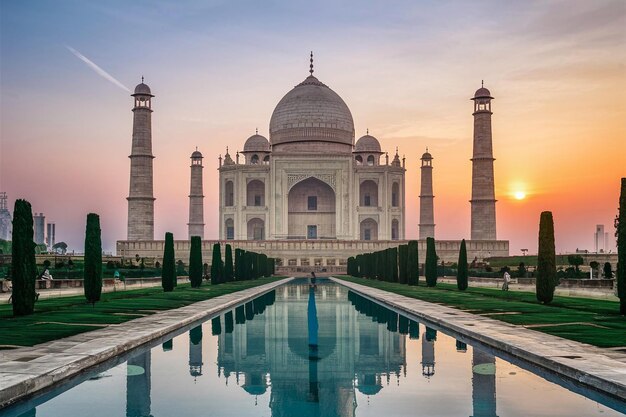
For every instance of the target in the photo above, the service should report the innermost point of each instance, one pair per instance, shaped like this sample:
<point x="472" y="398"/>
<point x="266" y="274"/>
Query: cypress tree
<point x="430" y="268"/>
<point x="412" y="263"/>
<point x="168" y="270"/>
<point x="216" y="266"/>
<point x="403" y="251"/>
<point x="620" y="226"/>
<point x="256" y="267"/>
<point x="195" y="262"/>
<point x="545" y="281"/>
<point x="238" y="264"/>
<point x="228" y="264"/>
<point x="92" y="279"/>
<point x="394" y="264"/>
<point x="462" y="273"/>
<point x="23" y="266"/>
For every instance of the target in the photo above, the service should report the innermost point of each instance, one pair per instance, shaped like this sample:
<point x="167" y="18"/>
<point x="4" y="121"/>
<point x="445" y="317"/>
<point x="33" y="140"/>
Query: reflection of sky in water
<point x="272" y="358"/>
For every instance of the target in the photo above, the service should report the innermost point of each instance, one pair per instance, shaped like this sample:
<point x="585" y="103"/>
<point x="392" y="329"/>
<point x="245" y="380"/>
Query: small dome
<point x="482" y="92"/>
<point x="196" y="154"/>
<point x="256" y="143"/>
<point x="427" y="155"/>
<point x="367" y="143"/>
<point x="143" y="89"/>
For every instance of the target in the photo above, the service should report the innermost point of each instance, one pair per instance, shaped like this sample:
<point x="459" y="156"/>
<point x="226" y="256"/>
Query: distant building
<point x="6" y="226"/>
<point x="50" y="234"/>
<point x="39" y="224"/>
<point x="600" y="239"/>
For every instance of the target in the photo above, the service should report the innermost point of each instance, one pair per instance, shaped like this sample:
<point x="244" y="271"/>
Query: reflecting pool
<point x="324" y="351"/>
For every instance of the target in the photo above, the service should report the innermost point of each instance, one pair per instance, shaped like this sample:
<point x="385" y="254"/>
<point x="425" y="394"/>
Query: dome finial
<point x="311" y="66"/>
<point x="142" y="79"/>
<point x="367" y="131"/>
<point x="482" y="83"/>
<point x="256" y="131"/>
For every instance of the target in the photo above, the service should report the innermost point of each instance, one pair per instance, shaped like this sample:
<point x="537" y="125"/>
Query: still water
<point x="298" y="351"/>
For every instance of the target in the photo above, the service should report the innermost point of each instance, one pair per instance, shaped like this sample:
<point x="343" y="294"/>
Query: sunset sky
<point x="406" y="69"/>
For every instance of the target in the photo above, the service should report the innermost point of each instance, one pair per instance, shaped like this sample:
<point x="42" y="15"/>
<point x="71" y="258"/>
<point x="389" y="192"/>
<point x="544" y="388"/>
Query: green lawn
<point x="60" y="317"/>
<point x="592" y="321"/>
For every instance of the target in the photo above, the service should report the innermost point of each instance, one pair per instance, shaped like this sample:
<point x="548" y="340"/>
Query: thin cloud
<point x="96" y="68"/>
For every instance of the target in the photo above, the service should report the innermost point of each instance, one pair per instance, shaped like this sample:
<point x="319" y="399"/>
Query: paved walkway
<point x="27" y="370"/>
<point x="65" y="292"/>
<point x="601" y="369"/>
<point x="598" y="293"/>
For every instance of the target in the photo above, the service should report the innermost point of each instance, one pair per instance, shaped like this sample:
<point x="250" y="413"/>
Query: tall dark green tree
<point x="620" y="231"/>
<point x="546" y="279"/>
<point x="23" y="266"/>
<point x="394" y="264"/>
<point x="168" y="270"/>
<point x="92" y="279"/>
<point x="216" y="264"/>
<point x="228" y="264"/>
<point x="195" y="262"/>
<point x="403" y="252"/>
<point x="430" y="267"/>
<point x="462" y="272"/>
<point x="412" y="263"/>
<point x="238" y="261"/>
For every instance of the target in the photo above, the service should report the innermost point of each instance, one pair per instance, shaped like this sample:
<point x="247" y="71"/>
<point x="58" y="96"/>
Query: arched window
<point x="229" y="194"/>
<point x="255" y="193"/>
<point x="394" y="229"/>
<point x="256" y="229"/>
<point x="368" y="194"/>
<point x="266" y="160"/>
<point x="229" y="227"/>
<point x="369" y="229"/>
<point x="370" y="160"/>
<point x="359" y="160"/>
<point x="255" y="159"/>
<point x="395" y="195"/>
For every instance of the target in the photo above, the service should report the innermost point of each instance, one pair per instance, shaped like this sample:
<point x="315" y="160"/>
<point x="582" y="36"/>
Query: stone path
<point x="27" y="370"/>
<point x="601" y="369"/>
<point x="65" y="292"/>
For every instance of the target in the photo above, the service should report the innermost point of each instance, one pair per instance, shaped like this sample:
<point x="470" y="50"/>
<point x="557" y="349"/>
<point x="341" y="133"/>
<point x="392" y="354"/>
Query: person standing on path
<point x="507" y="279"/>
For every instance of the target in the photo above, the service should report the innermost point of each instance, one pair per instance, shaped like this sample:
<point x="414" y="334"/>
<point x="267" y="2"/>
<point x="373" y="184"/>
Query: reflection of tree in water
<point x="317" y="349"/>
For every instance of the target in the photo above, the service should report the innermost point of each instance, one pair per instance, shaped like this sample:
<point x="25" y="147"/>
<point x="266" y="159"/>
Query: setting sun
<point x="519" y="195"/>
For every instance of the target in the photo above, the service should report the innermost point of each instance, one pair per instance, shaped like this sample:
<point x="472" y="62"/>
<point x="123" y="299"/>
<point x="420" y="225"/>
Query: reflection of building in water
<point x="428" y="352"/>
<point x="195" y="351"/>
<point x="483" y="384"/>
<point x="138" y="386"/>
<point x="307" y="381"/>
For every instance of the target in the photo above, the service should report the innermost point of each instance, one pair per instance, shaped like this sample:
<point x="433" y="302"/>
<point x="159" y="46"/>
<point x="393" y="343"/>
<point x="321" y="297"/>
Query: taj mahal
<point x="311" y="195"/>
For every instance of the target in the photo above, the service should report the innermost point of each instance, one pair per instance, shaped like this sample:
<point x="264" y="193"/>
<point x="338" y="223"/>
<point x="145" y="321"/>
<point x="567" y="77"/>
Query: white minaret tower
<point x="140" y="198"/>
<point x="427" y="211"/>
<point x="196" y="197"/>
<point x="483" y="196"/>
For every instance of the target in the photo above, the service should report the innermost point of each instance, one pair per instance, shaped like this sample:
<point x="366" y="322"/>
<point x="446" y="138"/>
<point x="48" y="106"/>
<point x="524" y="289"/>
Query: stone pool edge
<point x="62" y="359"/>
<point x="595" y="368"/>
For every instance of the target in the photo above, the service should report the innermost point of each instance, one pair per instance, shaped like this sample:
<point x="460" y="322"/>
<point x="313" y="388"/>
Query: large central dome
<point x="312" y="118"/>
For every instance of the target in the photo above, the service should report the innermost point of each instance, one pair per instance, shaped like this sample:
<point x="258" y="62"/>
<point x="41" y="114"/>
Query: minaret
<point x="483" y="197"/>
<point x="196" y="197"/>
<point x="138" y="385"/>
<point x="483" y="384"/>
<point x="427" y="212"/>
<point x="140" y="198"/>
